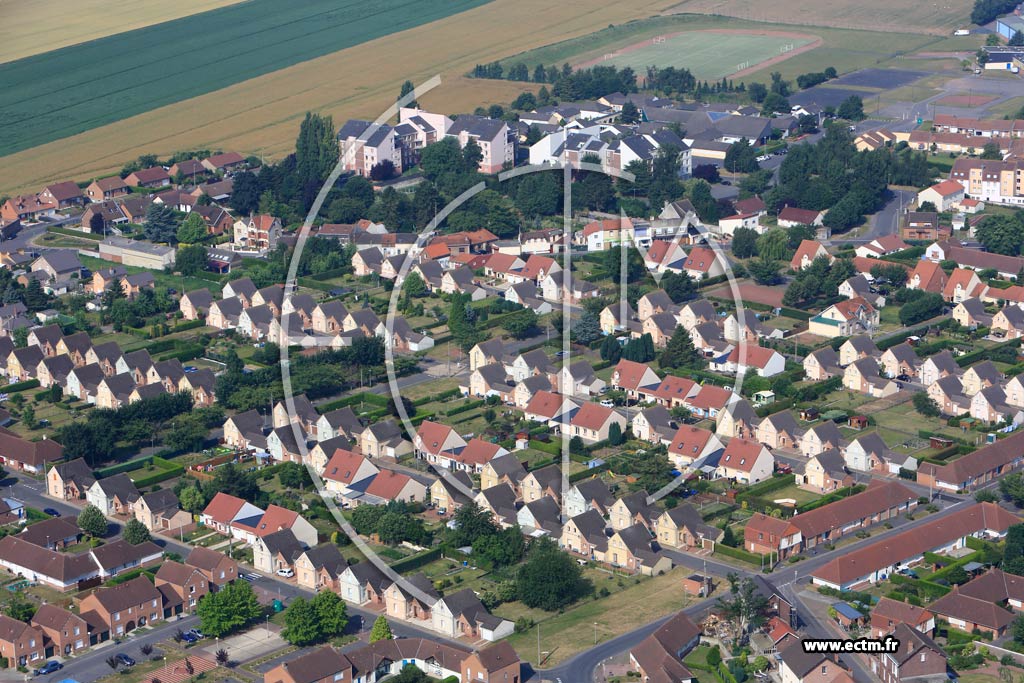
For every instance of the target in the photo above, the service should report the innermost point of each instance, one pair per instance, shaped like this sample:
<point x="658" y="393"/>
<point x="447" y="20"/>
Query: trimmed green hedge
<point x="96" y="237"/>
<point x="830" y="498"/>
<point x="737" y="554"/>
<point x="417" y="561"/>
<point x="20" y="386"/>
<point x="126" y="466"/>
<point x="928" y="589"/>
<point x="355" y="399"/>
<point x="775" y="483"/>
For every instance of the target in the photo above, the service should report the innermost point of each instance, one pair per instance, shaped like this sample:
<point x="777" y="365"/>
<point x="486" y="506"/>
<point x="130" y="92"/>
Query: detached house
<point x="746" y="461"/>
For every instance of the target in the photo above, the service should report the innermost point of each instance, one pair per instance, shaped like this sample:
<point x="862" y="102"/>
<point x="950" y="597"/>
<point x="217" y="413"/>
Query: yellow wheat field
<point x="938" y="17"/>
<point x="35" y="26"/>
<point x="262" y="115"/>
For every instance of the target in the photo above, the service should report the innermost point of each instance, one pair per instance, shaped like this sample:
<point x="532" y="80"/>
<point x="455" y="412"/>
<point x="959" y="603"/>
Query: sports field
<point x="707" y="54"/>
<point x="35" y="26"/>
<point x="59" y="93"/>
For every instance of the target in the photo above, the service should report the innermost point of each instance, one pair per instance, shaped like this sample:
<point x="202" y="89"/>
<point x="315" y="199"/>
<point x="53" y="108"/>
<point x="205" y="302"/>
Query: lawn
<point x="564" y="635"/>
<point x="58" y="94"/>
<point x="701" y="52"/>
<point x="793" y="492"/>
<point x="57" y="416"/>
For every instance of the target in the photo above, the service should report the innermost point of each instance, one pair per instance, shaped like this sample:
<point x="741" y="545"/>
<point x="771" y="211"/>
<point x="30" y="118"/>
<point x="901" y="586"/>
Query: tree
<point x="924" y="307"/>
<point x="471" y="522"/>
<point x="92" y="521"/>
<point x="408" y="88"/>
<point x="680" y="352"/>
<point x="1012" y="486"/>
<point x="245" y="193"/>
<point x="190" y="260"/>
<point x="96" y="223"/>
<point x="19" y="607"/>
<point x="521" y="324"/>
<point x="331" y="614"/>
<point x="744" y="242"/>
<point x="192" y="229"/>
<point x="1017" y="39"/>
<point x="615" y="437"/>
<point x="707" y="172"/>
<point x="1002" y="234"/>
<point x="611" y="349"/>
<point x="925" y="405"/>
<point x="161" y="224"/>
<point x="989" y="151"/>
<point x="381" y="630"/>
<point x="587" y="329"/>
<point x="414" y="286"/>
<point x="773" y="245"/>
<point x="703" y="202"/>
<point x="550" y="579"/>
<point x="192" y="499"/>
<point x="764" y="271"/>
<point x="895" y="274"/>
<point x="229" y="609"/>
<point x="639" y="350"/>
<point x="629" y="112"/>
<point x="410" y="673"/>
<point x="316" y="152"/>
<point x="851" y="109"/>
<point x="383" y="170"/>
<point x="222" y="657"/>
<point x="774" y="103"/>
<point x="294" y="476"/>
<point x="986" y="497"/>
<point x="135" y="532"/>
<point x="679" y="286"/>
<point x="28" y="416"/>
<point x="744" y="606"/>
<point x="741" y="157"/>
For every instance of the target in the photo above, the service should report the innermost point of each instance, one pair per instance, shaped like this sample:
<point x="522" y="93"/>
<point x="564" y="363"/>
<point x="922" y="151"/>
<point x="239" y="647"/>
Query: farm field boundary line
<point x="30" y="28"/>
<point x="60" y="93"/>
<point x="262" y="115"/>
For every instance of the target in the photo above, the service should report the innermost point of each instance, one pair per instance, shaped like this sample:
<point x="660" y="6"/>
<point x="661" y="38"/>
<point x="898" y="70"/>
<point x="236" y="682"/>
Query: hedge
<point x="189" y="325"/>
<point x="161" y="345"/>
<point x="931" y="590"/>
<point x="464" y="408"/>
<point x="794" y="313"/>
<point x="20" y="386"/>
<point x="775" y="483"/>
<point x="97" y="237"/>
<point x="126" y="466"/>
<point x="586" y="474"/>
<point x="896" y="339"/>
<point x="830" y="498"/>
<point x="416" y="561"/>
<point x="737" y="554"/>
<point x="375" y="399"/>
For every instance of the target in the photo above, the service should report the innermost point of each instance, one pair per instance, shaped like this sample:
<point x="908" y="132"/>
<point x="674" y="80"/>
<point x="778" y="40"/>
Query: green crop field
<point x="708" y="55"/>
<point x="56" y="94"/>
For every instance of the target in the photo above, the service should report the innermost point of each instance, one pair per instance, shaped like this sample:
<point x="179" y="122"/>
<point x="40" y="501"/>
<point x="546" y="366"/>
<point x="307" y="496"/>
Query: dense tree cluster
<point x="1003" y="234"/>
<point x="98" y="436"/>
<point x="550" y="579"/>
<point x="325" y="373"/>
<point x="229" y="609"/>
<point x="924" y="306"/>
<point x="392" y="523"/>
<point x="307" y="622"/>
<point x="821" y="279"/>
<point x="809" y="80"/>
<point x="988" y="10"/>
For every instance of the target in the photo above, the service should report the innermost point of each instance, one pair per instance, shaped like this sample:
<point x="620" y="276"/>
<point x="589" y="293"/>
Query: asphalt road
<point x="92" y="665"/>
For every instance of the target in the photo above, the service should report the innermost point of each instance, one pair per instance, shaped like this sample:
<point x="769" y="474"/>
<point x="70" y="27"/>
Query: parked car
<point x="52" y="512"/>
<point x="49" y="668"/>
<point x="189" y="638"/>
<point x="125" y="659"/>
<point x="608" y="403"/>
<point x="196" y="632"/>
<point x="285" y="572"/>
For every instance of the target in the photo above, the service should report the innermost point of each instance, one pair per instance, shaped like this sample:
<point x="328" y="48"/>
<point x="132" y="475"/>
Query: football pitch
<point x="709" y="55"/>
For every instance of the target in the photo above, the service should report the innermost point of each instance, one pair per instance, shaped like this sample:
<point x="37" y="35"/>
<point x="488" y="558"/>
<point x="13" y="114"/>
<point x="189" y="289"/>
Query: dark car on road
<point x="49" y="668"/>
<point x="52" y="512"/>
<point x="125" y="659"/>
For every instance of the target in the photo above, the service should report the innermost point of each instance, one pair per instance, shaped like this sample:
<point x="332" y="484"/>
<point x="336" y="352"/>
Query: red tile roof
<point x="223" y="507"/>
<point x="388" y="484"/>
